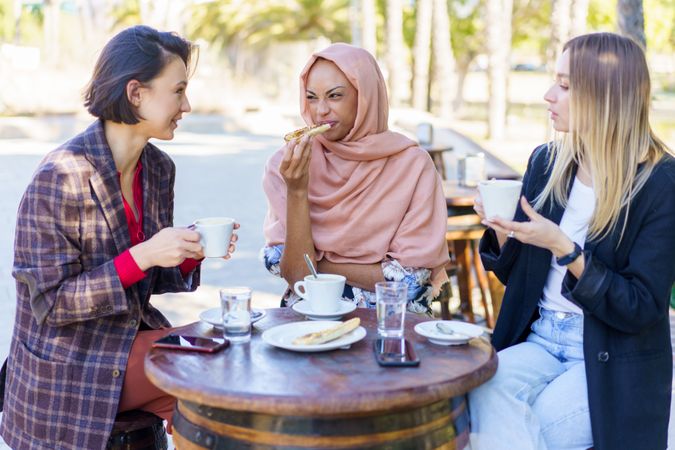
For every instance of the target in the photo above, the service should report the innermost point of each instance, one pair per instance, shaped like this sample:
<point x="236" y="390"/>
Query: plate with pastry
<point x="315" y="336"/>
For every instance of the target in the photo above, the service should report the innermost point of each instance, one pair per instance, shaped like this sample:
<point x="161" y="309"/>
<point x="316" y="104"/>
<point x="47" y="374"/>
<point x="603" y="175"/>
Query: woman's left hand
<point x="539" y="231"/>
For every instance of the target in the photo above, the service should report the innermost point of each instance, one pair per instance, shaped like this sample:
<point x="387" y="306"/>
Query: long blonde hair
<point x="609" y="128"/>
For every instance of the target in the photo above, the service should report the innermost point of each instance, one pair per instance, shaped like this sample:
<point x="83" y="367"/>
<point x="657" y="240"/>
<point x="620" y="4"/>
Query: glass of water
<point x="236" y="308"/>
<point x="391" y="298"/>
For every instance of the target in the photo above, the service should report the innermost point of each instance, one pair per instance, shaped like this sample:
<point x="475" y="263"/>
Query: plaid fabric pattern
<point x="75" y="323"/>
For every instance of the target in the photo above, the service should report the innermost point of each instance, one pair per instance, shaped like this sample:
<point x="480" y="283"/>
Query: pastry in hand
<point x="309" y="131"/>
<point x="329" y="334"/>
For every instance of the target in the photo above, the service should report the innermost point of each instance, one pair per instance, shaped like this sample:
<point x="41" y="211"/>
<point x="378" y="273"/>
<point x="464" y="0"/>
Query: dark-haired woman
<point x="94" y="239"/>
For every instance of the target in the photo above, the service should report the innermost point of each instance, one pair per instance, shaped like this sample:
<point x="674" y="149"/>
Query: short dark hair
<point x="137" y="53"/>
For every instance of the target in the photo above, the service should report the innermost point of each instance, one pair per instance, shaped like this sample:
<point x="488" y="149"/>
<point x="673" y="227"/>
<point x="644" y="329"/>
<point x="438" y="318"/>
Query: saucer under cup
<point x="303" y="308"/>
<point x="500" y="197"/>
<point x="323" y="293"/>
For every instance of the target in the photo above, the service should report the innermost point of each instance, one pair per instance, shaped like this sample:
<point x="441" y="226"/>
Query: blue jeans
<point x="538" y="399"/>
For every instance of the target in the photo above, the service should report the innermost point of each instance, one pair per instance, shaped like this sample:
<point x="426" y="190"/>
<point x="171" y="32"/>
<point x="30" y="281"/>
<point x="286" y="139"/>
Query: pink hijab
<point x="374" y="194"/>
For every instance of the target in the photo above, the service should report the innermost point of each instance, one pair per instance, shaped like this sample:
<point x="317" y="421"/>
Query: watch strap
<point x="570" y="257"/>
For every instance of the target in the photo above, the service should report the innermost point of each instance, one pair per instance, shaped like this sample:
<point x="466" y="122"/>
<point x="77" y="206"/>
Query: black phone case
<point x="165" y="343"/>
<point x="396" y="359"/>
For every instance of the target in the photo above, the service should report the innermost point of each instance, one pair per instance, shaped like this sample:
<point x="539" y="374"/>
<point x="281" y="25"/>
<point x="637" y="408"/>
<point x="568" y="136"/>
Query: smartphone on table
<point x="191" y="343"/>
<point x="395" y="352"/>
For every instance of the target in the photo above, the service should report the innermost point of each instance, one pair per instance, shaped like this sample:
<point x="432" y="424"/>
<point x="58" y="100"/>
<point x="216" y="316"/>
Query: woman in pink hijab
<point x="361" y="200"/>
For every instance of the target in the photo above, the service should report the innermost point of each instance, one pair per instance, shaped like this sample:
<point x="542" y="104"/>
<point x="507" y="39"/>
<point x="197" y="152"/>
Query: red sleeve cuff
<point x="188" y="266"/>
<point x="127" y="269"/>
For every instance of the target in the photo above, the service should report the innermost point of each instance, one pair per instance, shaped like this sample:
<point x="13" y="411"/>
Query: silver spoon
<point x="444" y="328"/>
<point x="311" y="266"/>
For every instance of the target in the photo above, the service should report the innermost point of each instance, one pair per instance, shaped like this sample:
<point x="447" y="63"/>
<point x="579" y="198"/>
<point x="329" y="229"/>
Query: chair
<point x="437" y="157"/>
<point x="137" y="430"/>
<point x="424" y="132"/>
<point x="462" y="235"/>
<point x="446" y="291"/>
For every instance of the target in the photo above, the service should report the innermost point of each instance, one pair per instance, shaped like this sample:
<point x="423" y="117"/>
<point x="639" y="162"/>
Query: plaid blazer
<point x="75" y="323"/>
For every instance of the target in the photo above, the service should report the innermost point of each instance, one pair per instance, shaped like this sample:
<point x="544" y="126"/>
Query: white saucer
<point x="468" y="331"/>
<point x="214" y="316"/>
<point x="282" y="336"/>
<point x="303" y="308"/>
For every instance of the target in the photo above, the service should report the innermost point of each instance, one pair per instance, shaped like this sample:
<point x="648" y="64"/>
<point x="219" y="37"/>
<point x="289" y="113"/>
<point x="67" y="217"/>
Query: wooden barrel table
<point x="255" y="396"/>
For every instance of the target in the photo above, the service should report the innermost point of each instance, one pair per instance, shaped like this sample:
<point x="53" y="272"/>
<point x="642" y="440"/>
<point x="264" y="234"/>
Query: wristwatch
<point x="570" y="257"/>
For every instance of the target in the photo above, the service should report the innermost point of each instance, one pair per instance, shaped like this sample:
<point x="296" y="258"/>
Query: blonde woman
<point x="583" y="335"/>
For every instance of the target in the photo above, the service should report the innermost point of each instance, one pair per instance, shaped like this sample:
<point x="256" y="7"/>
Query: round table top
<point x="257" y="377"/>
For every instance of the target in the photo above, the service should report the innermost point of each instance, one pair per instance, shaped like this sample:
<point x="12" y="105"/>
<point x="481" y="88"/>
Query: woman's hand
<point x="478" y="206"/>
<point x="232" y="246"/>
<point x="168" y="248"/>
<point x="294" y="166"/>
<point x="539" y="231"/>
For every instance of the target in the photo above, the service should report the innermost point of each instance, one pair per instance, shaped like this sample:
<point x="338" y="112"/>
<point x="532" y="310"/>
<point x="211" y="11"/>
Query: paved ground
<point x="218" y="173"/>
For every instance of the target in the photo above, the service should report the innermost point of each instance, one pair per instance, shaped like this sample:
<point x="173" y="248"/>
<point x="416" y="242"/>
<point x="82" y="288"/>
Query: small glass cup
<point x="236" y="309"/>
<point x="391" y="299"/>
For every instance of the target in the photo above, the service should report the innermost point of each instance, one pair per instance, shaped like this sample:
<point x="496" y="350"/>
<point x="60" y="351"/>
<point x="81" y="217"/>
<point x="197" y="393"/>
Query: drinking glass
<point x="391" y="299"/>
<point x="236" y="308"/>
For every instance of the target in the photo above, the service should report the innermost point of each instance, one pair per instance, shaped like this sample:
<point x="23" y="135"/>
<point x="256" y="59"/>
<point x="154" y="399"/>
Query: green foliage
<point x="467" y="29"/>
<point x="531" y="25"/>
<point x="126" y="13"/>
<point x="660" y="25"/>
<point x="6" y="20"/>
<point x="602" y="15"/>
<point x="259" y="23"/>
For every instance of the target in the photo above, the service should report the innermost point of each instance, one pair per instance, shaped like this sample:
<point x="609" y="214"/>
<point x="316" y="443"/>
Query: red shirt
<point x="127" y="268"/>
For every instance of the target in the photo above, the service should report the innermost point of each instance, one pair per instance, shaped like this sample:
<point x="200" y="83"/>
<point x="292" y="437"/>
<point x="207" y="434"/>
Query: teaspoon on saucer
<point x="444" y="328"/>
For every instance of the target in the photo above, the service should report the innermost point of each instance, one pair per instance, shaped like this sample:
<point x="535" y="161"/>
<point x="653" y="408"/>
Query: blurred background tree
<point x="427" y="47"/>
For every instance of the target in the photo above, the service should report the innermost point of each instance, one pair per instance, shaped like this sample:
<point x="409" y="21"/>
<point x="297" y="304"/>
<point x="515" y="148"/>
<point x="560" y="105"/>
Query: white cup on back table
<point x="323" y="293"/>
<point x="500" y="197"/>
<point x="215" y="233"/>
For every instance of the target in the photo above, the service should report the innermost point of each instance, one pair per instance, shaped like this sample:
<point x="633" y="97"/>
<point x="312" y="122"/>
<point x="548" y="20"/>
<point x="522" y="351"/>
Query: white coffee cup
<point x="500" y="197"/>
<point x="323" y="293"/>
<point x="215" y="233"/>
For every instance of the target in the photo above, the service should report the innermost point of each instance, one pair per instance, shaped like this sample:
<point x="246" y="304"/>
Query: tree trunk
<point x="355" y="21"/>
<point x="368" y="19"/>
<point x="421" y="54"/>
<point x="579" y="17"/>
<point x="17" y="6"/>
<point x="52" y="15"/>
<point x="462" y="71"/>
<point x="96" y="22"/>
<point x="396" y="59"/>
<point x="443" y="60"/>
<point x="631" y="20"/>
<point x="560" y="30"/>
<point x="499" y="15"/>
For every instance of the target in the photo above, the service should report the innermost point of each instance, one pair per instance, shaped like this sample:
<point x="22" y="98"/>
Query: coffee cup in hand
<point x="323" y="293"/>
<point x="215" y="234"/>
<point x="500" y="197"/>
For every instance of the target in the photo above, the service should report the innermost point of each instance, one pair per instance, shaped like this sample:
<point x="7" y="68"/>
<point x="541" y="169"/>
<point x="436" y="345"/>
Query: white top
<point x="574" y="224"/>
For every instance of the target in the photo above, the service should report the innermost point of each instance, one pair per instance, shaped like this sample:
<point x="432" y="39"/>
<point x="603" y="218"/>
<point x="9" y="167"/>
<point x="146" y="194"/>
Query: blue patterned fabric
<point x="417" y="279"/>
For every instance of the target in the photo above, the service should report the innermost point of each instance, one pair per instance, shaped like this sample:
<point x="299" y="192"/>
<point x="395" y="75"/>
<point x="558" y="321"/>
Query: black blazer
<point x="624" y="294"/>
